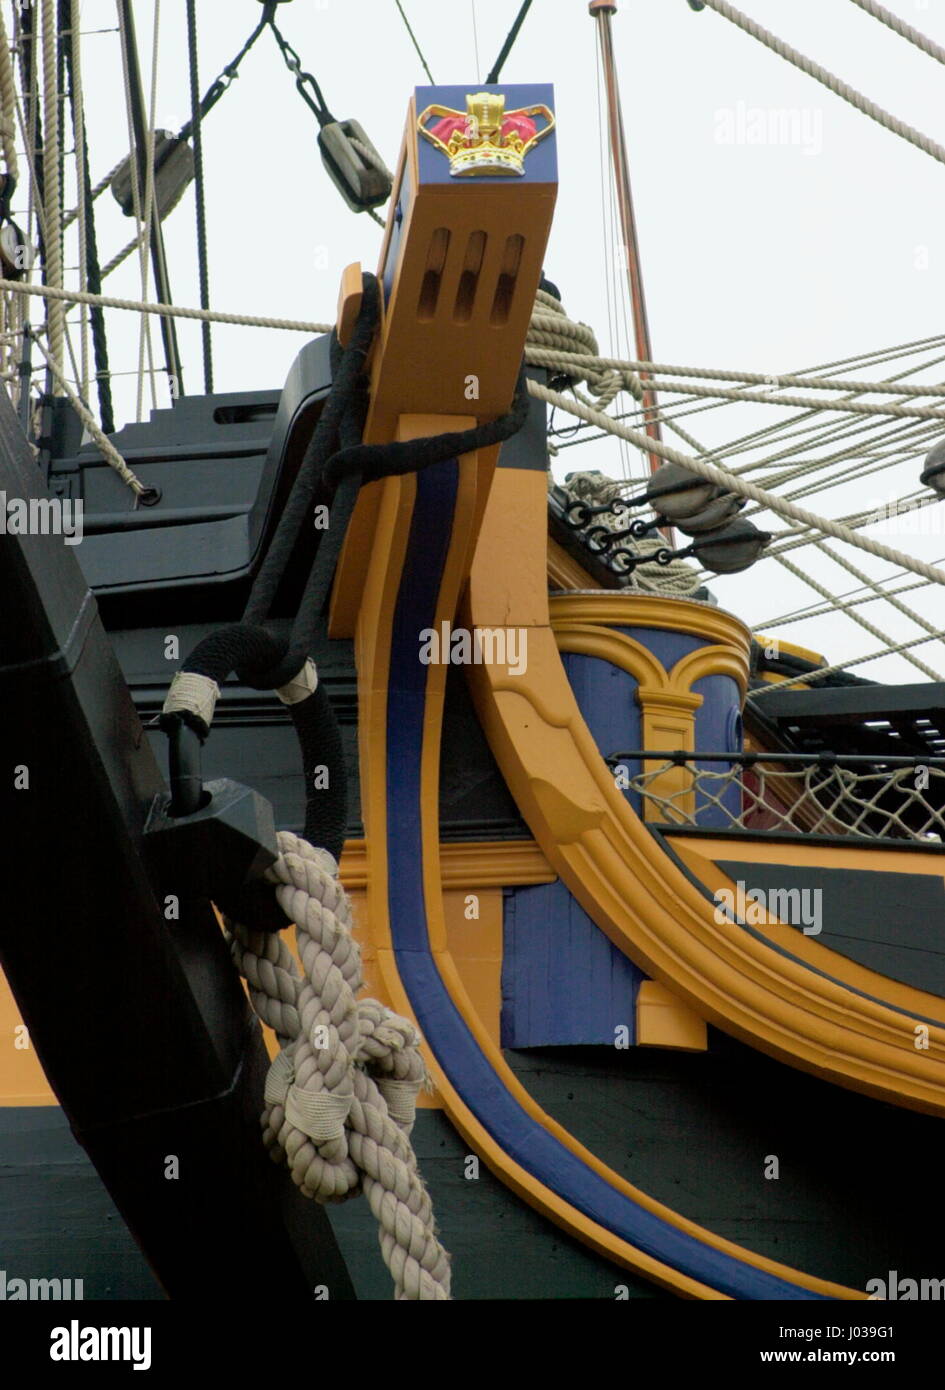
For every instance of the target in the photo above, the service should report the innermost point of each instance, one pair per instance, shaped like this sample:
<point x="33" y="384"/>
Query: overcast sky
<point x="767" y="256"/>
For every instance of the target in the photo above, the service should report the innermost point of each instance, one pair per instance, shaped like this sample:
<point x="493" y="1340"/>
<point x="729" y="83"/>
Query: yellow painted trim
<point x="629" y="608"/>
<point x="466" y="864"/>
<point x="699" y="855"/>
<point x="638" y="896"/>
<point x="564" y="572"/>
<point x="664" y="1021"/>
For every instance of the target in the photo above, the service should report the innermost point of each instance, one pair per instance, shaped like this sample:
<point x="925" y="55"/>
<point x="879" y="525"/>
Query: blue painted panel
<point x="718" y="730"/>
<point x="606" y="697"/>
<point x="563" y="981"/>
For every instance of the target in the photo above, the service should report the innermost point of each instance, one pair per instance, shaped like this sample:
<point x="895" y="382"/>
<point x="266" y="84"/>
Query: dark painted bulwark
<point x="893" y="923"/>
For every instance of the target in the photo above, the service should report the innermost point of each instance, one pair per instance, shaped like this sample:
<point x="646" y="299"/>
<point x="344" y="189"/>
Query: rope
<point x="899" y="26"/>
<point x="339" y="1104"/>
<point x="828" y="79"/>
<point x="7" y="104"/>
<point x="858" y="617"/>
<point x="78" y="122"/>
<point x="809" y="800"/>
<point x="52" y="242"/>
<point x="555" y="341"/>
<point x="732" y="483"/>
<point x="201" y="213"/>
<point x="839" y="666"/>
<point x="413" y="40"/>
<point x="92" y="273"/>
<point x="139" y="306"/>
<point x="92" y="194"/>
<point x="107" y="449"/>
<point x="564" y="356"/>
<point x="506" y="49"/>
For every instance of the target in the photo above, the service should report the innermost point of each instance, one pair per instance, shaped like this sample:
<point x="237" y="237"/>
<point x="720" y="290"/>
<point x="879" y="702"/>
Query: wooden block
<point x="665" y="1021"/>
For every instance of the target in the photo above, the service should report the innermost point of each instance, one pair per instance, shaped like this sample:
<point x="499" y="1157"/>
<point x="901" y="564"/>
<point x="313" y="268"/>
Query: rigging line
<point x="92" y="270"/>
<point x="152" y="213"/>
<point x="773" y="381"/>
<point x="413" y="40"/>
<point x="904" y="30"/>
<point x="472" y="6"/>
<point x="862" y="622"/>
<point x="506" y="49"/>
<point x="52" y="244"/>
<point x="731" y="483"/>
<point x="139" y="159"/>
<point x="172" y="311"/>
<point x="838" y="666"/>
<point x="828" y="79"/>
<point x="74" y="74"/>
<point x="202" y="264"/>
<point x="849" y="599"/>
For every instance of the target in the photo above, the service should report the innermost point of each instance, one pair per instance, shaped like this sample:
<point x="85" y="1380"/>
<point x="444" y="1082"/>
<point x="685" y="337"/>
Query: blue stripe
<point x="445" y="1029"/>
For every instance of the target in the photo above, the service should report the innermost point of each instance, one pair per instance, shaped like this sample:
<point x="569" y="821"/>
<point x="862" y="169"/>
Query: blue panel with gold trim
<point x="487" y="133"/>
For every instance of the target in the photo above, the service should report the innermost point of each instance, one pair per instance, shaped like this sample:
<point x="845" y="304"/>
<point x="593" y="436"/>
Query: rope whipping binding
<point x="340" y="1096"/>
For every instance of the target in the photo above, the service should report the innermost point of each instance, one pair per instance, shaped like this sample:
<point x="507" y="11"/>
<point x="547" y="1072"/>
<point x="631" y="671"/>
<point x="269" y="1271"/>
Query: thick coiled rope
<point x="562" y="345"/>
<point x="340" y="1095"/>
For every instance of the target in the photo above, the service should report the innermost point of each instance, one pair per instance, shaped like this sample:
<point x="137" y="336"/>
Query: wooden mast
<point x="602" y="10"/>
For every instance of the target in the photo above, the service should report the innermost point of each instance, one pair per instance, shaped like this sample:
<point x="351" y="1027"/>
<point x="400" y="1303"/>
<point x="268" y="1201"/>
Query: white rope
<point x="53" y="209"/>
<point x="774" y="380"/>
<point x="567" y="361"/>
<point x="732" y="483"/>
<point x="859" y="619"/>
<point x="828" y="79"/>
<point x="906" y="31"/>
<point x="97" y="191"/>
<point x="102" y="442"/>
<point x="174" y="311"/>
<point x="7" y="103"/>
<point x="554" y="340"/>
<point x="326" y="1114"/>
<point x="78" y="109"/>
<point x="897" y="650"/>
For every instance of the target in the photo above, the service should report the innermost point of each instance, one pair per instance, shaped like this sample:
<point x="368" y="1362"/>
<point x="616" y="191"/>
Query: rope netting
<point x="902" y="803"/>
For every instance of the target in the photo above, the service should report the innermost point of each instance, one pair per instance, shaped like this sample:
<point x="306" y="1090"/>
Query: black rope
<point x="220" y="84"/>
<point x="507" y="46"/>
<point x="413" y="40"/>
<point x="93" y="273"/>
<point x="196" y="121"/>
<point x="303" y="79"/>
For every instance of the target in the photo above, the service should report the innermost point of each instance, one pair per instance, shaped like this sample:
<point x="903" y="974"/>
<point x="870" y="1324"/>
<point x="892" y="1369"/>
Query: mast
<point x="158" y="261"/>
<point x="601" y="11"/>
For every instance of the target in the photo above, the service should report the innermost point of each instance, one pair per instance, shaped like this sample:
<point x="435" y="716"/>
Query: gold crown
<point x="483" y="139"/>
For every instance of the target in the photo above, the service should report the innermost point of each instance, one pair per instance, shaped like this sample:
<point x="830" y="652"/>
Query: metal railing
<point x="899" y="798"/>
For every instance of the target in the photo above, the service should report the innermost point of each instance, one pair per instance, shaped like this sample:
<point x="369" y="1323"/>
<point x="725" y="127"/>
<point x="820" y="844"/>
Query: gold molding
<point x="564" y="572"/>
<point x="470" y="864"/>
<point x="630" y="608"/>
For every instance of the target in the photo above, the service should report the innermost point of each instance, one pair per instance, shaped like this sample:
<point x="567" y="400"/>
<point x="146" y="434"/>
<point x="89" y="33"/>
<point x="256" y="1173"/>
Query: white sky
<point x="765" y="257"/>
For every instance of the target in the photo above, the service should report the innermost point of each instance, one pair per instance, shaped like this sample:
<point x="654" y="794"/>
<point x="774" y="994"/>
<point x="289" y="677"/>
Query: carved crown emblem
<point x="485" y="139"/>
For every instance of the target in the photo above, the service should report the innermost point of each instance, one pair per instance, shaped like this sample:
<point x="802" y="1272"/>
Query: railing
<point x="900" y="798"/>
